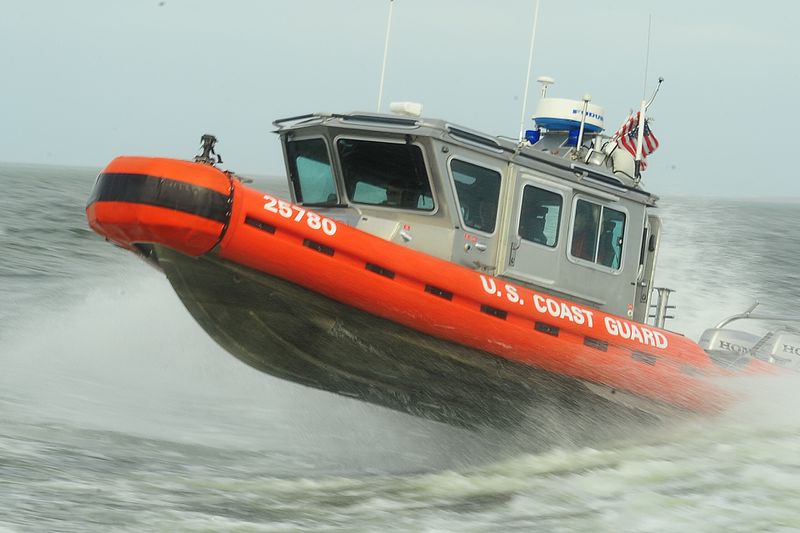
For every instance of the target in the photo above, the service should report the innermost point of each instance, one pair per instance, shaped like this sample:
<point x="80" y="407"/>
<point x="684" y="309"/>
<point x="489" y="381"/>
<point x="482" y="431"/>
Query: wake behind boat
<point x="430" y="268"/>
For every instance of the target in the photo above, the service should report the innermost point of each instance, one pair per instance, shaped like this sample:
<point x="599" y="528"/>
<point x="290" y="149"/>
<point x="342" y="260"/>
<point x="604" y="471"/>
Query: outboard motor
<point x="728" y="347"/>
<point x="783" y="348"/>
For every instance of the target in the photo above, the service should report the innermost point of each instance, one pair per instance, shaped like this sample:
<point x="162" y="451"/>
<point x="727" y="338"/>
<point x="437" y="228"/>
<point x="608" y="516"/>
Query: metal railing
<point x="752" y="316"/>
<point x="660" y="309"/>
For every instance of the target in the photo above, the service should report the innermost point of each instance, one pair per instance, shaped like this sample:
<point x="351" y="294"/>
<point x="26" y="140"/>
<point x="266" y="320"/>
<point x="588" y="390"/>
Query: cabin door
<point x="535" y="234"/>
<point x="647" y="268"/>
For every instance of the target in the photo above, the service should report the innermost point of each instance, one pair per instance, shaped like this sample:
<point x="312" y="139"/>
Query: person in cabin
<point x="487" y="215"/>
<point x="394" y="194"/>
<point x="584" y="232"/>
<point x="537" y="231"/>
<point x="607" y="248"/>
<point x="531" y="224"/>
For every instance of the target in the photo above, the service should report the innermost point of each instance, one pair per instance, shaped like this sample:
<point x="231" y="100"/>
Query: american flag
<point x="628" y="135"/>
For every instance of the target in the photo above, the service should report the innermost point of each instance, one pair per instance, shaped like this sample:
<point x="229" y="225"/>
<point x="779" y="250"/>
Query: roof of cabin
<point x="503" y="148"/>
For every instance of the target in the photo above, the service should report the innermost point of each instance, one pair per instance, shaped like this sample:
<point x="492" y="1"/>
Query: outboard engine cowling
<point x="728" y="347"/>
<point x="783" y="347"/>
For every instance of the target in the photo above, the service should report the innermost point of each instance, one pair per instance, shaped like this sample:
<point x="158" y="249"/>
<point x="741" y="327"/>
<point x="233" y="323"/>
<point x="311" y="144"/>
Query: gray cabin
<point x="558" y="213"/>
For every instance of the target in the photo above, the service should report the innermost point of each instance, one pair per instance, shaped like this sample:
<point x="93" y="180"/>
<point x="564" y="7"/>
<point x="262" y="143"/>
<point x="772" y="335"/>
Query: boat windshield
<point x="310" y="172"/>
<point x="385" y="174"/>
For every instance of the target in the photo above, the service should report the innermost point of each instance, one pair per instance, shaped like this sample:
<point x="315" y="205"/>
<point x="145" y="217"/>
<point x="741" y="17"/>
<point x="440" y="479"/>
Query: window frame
<point x="477" y="163"/>
<point x="387" y="140"/>
<point x="296" y="183"/>
<point x="603" y="205"/>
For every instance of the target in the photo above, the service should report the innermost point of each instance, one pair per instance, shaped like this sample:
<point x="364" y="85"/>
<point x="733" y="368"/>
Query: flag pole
<point x="528" y="77"/>
<point x="639" y="141"/>
<point x="586" y="99"/>
<point x="385" y="55"/>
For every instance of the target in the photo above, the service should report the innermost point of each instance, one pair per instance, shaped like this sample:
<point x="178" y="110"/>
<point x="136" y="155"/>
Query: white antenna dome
<point x="411" y="109"/>
<point x="546" y="82"/>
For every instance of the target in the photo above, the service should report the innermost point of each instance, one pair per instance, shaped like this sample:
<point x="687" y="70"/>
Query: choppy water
<point x="118" y="414"/>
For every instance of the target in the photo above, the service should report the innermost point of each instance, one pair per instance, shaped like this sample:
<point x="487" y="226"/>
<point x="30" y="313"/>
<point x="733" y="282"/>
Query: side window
<point x="385" y="174"/>
<point x="539" y="216"/>
<point x="478" y="190"/>
<point x="310" y="172"/>
<point x="597" y="234"/>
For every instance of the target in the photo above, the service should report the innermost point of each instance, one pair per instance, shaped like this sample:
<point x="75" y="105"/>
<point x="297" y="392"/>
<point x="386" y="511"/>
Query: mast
<point x="528" y="76"/>
<point x="385" y="54"/>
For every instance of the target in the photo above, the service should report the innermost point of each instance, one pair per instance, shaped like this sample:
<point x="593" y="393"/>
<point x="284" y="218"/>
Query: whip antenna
<point x="647" y="55"/>
<point x="655" y="93"/>
<point x="528" y="77"/>
<point x="385" y="54"/>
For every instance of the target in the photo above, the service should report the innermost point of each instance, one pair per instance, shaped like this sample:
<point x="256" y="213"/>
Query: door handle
<point x="514" y="247"/>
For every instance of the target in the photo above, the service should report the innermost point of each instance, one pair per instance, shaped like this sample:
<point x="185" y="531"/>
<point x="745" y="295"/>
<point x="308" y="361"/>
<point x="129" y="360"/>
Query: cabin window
<point x="478" y="190"/>
<point x="385" y="174"/>
<point x="539" y="216"/>
<point x="597" y="234"/>
<point x="310" y="172"/>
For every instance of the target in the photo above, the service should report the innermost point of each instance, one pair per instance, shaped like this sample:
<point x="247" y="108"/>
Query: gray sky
<point x="86" y="80"/>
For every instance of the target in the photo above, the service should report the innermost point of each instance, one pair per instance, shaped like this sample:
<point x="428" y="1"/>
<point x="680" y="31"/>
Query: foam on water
<point x="129" y="358"/>
<point x="176" y="431"/>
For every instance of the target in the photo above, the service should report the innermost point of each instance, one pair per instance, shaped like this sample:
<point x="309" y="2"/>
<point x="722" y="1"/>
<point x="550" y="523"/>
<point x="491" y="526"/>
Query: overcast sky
<point x="86" y="80"/>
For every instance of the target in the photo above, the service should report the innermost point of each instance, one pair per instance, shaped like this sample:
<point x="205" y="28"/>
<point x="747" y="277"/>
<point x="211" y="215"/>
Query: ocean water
<point x="117" y="413"/>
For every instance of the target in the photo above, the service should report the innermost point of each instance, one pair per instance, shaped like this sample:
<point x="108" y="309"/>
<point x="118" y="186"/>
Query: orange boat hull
<point x="490" y="325"/>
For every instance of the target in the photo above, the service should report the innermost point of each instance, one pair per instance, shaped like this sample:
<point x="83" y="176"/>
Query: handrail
<point x="278" y="122"/>
<point x="381" y="119"/>
<point x="662" y="306"/>
<point x="749" y="315"/>
<point x="386" y="120"/>
<point x="475" y="138"/>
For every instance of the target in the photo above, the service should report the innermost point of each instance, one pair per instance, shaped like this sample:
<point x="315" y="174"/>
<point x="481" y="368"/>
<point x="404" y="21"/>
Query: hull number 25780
<point x="297" y="213"/>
